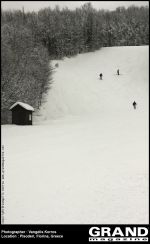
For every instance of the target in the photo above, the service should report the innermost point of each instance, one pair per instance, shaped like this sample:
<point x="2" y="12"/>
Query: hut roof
<point x="23" y="105"/>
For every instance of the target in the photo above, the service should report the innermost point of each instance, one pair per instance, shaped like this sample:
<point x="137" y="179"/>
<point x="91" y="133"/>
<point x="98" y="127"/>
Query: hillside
<point x="77" y="89"/>
<point x="85" y="159"/>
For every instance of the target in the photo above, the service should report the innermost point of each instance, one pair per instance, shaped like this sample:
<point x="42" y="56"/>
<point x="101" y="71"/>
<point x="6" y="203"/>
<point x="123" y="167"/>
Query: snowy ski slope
<point x="77" y="89"/>
<point x="85" y="160"/>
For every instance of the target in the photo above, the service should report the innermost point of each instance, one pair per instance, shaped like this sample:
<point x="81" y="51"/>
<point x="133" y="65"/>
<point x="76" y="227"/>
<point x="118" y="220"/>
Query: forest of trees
<point x="30" y="40"/>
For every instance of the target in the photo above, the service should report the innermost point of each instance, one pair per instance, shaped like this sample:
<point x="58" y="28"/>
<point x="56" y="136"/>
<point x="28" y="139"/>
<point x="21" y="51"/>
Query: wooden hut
<point x="21" y="113"/>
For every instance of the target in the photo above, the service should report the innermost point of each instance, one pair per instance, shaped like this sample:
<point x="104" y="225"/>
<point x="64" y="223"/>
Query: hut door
<point x="30" y="117"/>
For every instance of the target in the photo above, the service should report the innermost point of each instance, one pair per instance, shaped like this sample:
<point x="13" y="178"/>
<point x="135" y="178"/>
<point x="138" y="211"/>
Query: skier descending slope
<point x="134" y="104"/>
<point x="118" y="72"/>
<point x="101" y="76"/>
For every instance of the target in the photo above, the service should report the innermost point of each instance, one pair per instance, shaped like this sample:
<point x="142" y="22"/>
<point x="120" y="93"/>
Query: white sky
<point x="36" y="5"/>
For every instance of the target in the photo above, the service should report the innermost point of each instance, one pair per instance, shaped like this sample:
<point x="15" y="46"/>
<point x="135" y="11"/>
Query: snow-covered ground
<point x="85" y="159"/>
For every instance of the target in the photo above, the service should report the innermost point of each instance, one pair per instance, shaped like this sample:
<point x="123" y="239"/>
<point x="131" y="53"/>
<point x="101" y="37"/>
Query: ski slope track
<point x="85" y="159"/>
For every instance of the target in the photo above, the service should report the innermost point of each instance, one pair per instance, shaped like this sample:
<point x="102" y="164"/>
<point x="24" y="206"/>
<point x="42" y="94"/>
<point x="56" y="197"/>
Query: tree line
<point x="30" y="40"/>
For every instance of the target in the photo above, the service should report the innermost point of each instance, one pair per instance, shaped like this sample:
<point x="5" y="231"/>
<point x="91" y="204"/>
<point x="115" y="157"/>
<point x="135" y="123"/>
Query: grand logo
<point x="123" y="233"/>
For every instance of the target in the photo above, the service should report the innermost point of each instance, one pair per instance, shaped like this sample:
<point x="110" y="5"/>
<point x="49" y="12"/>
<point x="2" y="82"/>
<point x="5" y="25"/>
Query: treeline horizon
<point x="30" y="40"/>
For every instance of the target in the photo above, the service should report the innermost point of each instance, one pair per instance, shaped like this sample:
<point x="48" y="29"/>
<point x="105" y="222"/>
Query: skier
<point x="101" y="76"/>
<point x="134" y="104"/>
<point x="118" y="72"/>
